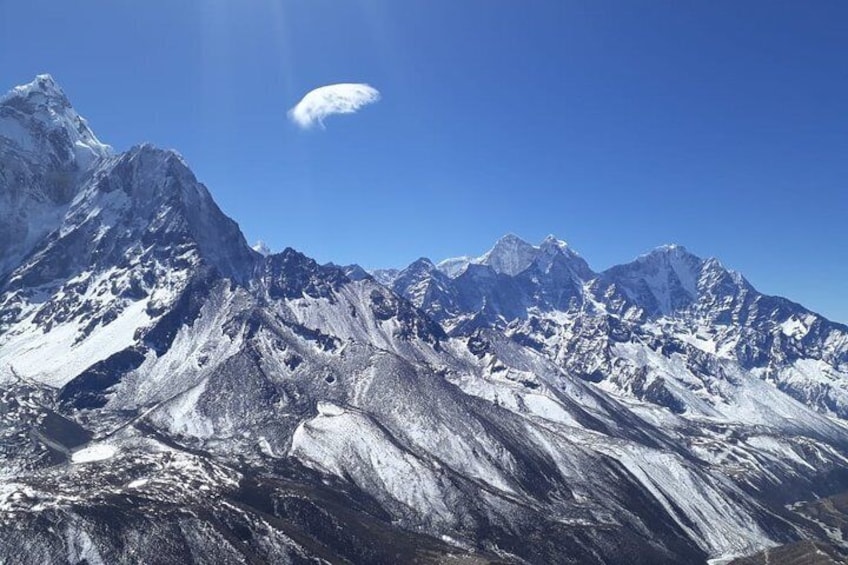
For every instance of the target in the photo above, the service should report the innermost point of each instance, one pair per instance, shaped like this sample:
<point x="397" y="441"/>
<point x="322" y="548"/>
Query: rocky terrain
<point x="169" y="394"/>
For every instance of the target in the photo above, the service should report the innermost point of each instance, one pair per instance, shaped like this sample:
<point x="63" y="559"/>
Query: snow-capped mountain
<point x="668" y="297"/>
<point x="168" y="394"/>
<point x="504" y="284"/>
<point x="45" y="148"/>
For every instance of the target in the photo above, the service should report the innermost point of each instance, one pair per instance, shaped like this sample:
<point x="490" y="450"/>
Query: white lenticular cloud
<point x="344" y="98"/>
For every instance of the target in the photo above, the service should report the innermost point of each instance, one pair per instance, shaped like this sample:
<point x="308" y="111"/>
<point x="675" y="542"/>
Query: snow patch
<point x="330" y="409"/>
<point x="138" y="483"/>
<point x="96" y="452"/>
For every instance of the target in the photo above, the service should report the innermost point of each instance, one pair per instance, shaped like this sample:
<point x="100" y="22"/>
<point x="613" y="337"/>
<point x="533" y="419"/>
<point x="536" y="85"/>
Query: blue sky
<point x="618" y="126"/>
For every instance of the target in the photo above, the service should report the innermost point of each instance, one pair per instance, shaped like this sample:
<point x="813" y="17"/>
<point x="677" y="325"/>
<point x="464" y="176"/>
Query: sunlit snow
<point x="96" y="452"/>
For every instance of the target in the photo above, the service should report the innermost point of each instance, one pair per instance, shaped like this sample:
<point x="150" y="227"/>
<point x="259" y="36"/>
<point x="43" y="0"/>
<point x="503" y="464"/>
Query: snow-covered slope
<point x="169" y="394"/>
<point x="139" y="232"/>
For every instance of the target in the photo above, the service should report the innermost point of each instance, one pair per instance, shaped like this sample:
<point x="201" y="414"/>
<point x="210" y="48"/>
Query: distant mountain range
<point x="169" y="394"/>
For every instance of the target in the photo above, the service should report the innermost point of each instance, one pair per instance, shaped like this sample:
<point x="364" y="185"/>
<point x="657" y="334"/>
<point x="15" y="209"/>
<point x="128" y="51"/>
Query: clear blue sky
<point x="619" y="126"/>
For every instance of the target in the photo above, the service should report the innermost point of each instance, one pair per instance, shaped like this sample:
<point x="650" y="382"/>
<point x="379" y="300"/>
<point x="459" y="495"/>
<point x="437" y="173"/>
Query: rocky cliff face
<point x="170" y="394"/>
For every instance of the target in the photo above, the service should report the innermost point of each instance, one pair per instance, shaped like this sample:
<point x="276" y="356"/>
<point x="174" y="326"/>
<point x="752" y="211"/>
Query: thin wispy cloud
<point x="343" y="98"/>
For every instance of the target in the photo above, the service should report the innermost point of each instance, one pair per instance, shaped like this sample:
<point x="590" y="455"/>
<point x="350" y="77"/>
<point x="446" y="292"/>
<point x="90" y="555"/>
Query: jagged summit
<point x="674" y="253"/>
<point x="43" y="84"/>
<point x="38" y="116"/>
<point x="46" y="148"/>
<point x="670" y="277"/>
<point x="424" y="263"/>
<point x="553" y="241"/>
<point x="454" y="266"/>
<point x="666" y="253"/>
<point x="510" y="255"/>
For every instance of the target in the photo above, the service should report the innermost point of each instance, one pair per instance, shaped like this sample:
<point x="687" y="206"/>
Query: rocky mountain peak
<point x="553" y="242"/>
<point x="510" y="255"/>
<point x="46" y="148"/>
<point x="42" y="92"/>
<point x="37" y="118"/>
